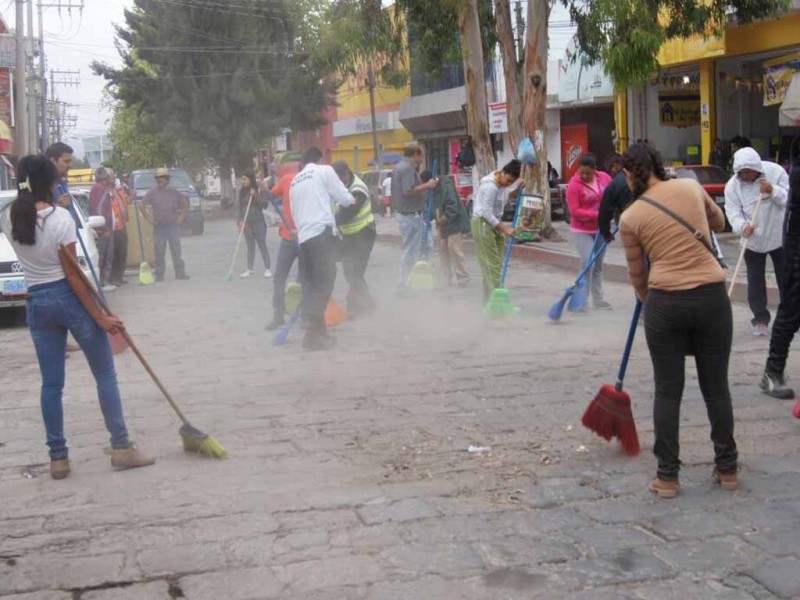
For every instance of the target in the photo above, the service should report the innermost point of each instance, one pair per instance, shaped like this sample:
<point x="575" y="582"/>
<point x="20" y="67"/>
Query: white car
<point x="12" y="279"/>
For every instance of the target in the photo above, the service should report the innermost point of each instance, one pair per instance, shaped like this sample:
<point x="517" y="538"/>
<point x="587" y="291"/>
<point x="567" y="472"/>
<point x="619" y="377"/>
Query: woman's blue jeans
<point x="53" y="309"/>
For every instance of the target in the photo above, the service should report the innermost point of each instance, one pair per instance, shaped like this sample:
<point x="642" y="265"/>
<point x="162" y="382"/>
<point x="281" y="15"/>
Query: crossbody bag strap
<point x="696" y="233"/>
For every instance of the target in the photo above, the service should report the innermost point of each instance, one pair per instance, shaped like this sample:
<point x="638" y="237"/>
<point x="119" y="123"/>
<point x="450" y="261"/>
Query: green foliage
<point x="433" y="29"/>
<point x="138" y="143"/>
<point x="359" y="32"/>
<point x="224" y="80"/>
<point x="626" y="35"/>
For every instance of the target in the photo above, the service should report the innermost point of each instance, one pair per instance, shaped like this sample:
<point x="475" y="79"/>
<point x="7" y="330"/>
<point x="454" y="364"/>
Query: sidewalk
<point x="565" y="256"/>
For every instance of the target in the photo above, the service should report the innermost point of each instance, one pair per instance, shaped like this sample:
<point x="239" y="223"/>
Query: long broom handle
<point x="136" y="209"/>
<point x="592" y="253"/>
<point x="241" y="234"/>
<point x="744" y="248"/>
<point x="626" y="355"/>
<point x="124" y="333"/>
<point x="510" y="243"/>
<point x="74" y="212"/>
<point x="594" y="257"/>
<point x="427" y="225"/>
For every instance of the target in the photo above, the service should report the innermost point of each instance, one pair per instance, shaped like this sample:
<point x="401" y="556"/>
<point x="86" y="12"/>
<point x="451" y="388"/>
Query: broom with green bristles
<point x="193" y="439"/>
<point x="500" y="305"/>
<point x="421" y="276"/>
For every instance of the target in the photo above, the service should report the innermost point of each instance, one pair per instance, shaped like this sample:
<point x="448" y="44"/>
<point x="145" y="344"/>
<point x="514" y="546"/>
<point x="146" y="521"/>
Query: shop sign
<point x="678" y="110"/>
<point x="498" y="117"/>
<point x="778" y="75"/>
<point x="384" y="122"/>
<point x="6" y="114"/>
<point x="705" y="113"/>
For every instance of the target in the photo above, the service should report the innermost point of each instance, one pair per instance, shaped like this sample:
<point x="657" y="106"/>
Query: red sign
<point x="574" y="144"/>
<point x="5" y="110"/>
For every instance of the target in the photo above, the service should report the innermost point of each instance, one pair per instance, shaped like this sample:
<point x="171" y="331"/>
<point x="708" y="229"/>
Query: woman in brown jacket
<point x="687" y="310"/>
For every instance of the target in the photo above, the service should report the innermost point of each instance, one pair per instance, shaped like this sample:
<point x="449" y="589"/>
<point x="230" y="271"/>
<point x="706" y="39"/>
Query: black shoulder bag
<point x="696" y="233"/>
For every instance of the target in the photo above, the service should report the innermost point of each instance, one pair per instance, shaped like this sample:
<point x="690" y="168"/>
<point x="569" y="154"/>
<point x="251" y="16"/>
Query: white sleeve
<point x="780" y="189"/>
<point x="66" y="232"/>
<point x="734" y="208"/>
<point x="335" y="187"/>
<point x="484" y="204"/>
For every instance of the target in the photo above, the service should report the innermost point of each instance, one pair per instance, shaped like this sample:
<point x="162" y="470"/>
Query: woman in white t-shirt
<point x="57" y="303"/>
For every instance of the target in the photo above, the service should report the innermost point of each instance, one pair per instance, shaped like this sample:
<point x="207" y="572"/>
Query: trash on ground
<point x="478" y="449"/>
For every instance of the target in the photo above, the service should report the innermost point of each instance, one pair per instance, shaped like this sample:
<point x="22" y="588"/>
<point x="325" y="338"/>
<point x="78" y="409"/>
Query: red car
<point x="712" y="178"/>
<point x="463" y="183"/>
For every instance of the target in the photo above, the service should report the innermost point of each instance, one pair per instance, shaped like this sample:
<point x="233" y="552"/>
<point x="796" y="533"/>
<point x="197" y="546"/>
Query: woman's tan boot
<point x="59" y="469"/>
<point x="129" y="458"/>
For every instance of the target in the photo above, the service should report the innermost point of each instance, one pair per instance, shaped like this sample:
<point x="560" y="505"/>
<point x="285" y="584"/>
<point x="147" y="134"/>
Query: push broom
<point x="193" y="439"/>
<point x="118" y="342"/>
<point x="500" y="304"/>
<point x="610" y="415"/>
<point x="558" y="308"/>
<point x="146" y="276"/>
<point x="421" y="276"/>
<point x="229" y="276"/>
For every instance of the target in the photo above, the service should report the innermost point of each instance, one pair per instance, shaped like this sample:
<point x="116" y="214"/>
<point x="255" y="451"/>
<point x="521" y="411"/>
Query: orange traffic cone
<point x="334" y="314"/>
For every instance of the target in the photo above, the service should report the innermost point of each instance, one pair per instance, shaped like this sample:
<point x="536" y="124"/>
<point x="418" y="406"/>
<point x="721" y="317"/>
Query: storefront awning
<point x="790" y="109"/>
<point x="440" y="111"/>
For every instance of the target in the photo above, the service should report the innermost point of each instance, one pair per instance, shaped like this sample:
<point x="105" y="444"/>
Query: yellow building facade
<point x="352" y="128"/>
<point x="729" y="75"/>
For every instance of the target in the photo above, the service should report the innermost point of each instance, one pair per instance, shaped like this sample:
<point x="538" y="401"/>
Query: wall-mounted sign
<point x="678" y="110"/>
<point x="498" y="117"/>
<point x="778" y="75"/>
<point x="384" y="121"/>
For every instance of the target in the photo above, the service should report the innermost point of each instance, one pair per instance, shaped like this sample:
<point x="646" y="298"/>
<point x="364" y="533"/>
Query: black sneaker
<point x="276" y="323"/>
<point x="774" y="384"/>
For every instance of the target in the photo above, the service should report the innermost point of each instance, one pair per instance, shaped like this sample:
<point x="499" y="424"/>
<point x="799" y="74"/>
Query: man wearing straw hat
<point x="166" y="208"/>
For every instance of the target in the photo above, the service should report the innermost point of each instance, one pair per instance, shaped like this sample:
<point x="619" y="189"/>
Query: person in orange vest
<point x="119" y="207"/>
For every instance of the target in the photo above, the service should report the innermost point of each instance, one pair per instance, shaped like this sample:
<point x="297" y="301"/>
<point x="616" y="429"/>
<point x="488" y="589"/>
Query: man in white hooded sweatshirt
<point x="762" y="234"/>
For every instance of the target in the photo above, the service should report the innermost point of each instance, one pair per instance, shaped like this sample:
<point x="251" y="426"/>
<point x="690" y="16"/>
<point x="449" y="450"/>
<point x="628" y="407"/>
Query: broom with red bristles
<point x="609" y="415"/>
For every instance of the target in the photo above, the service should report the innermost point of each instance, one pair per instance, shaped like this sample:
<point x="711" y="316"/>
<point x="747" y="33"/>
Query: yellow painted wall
<point x="353" y="100"/>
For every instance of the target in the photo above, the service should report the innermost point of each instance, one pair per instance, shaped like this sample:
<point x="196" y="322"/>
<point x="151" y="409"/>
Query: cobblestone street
<point x="349" y="476"/>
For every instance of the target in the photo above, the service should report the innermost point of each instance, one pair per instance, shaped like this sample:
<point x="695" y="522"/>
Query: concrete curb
<point x="570" y="262"/>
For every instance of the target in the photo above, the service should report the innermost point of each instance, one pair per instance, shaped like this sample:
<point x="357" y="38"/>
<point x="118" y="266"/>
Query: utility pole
<point x="371" y="86"/>
<point x="21" y="119"/>
<point x="33" y="96"/>
<point x="44" y="143"/>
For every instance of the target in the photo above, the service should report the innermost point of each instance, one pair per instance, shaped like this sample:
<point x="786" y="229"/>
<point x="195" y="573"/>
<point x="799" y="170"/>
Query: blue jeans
<point x="53" y="309"/>
<point x="411" y="228"/>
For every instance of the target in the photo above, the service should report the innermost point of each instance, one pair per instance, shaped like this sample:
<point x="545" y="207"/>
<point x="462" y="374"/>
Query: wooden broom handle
<point x="106" y="309"/>
<point x="744" y="248"/>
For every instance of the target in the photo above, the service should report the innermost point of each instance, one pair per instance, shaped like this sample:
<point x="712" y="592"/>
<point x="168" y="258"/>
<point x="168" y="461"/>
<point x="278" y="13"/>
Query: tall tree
<point x="475" y="82"/>
<point x="226" y="79"/>
<point x="138" y="143"/>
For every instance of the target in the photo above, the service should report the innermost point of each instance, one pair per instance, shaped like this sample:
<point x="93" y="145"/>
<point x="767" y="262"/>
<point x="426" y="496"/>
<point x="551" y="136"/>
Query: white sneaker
<point x="109" y="288"/>
<point x="760" y="330"/>
<point x="246" y="274"/>
<point x="267" y="274"/>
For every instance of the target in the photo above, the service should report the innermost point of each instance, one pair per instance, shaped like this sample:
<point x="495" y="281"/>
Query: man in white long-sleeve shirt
<point x="312" y="195"/>
<point x="762" y="234"/>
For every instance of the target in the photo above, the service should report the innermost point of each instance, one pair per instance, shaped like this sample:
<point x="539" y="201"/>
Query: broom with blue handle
<point x="558" y="308"/>
<point x="118" y="342"/>
<point x="500" y="304"/>
<point x="283" y="335"/>
<point x="610" y="414"/>
<point x="578" y="300"/>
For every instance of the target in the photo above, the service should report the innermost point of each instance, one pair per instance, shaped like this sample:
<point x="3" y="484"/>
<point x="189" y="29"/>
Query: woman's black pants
<point x="700" y="322"/>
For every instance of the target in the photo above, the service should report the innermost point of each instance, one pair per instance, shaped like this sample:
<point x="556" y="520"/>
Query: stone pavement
<point x="349" y="476"/>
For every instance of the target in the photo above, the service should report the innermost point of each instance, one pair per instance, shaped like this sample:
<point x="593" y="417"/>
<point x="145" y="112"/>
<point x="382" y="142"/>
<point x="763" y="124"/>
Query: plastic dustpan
<point x="146" y="276"/>
<point x="500" y="305"/>
<point x="334" y="314"/>
<point x="421" y="276"/>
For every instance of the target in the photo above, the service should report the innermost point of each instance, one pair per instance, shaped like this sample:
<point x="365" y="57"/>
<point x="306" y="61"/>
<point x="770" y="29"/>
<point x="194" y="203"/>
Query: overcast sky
<point x="73" y="41"/>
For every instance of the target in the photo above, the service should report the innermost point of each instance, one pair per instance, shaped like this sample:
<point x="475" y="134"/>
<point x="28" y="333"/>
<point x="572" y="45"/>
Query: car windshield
<point x="146" y="181"/>
<point x="6" y="199"/>
<point x="705" y="175"/>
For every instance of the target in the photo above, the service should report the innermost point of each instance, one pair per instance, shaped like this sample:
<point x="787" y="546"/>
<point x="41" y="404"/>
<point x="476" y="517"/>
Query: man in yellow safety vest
<point x="357" y="225"/>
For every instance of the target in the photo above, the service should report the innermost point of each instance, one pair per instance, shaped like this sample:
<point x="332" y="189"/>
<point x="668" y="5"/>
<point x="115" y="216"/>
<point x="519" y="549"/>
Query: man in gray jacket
<point x="761" y="233"/>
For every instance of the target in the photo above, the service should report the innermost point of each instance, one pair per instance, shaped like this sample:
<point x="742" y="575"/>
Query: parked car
<point x="13" y="291"/>
<point x="374" y="181"/>
<point x="81" y="195"/>
<point x="558" y="205"/>
<point x="145" y="179"/>
<point x="712" y="178"/>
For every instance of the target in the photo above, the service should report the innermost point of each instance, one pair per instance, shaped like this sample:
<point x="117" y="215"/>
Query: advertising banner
<point x="677" y="109"/>
<point x="778" y="75"/>
<point x="574" y="144"/>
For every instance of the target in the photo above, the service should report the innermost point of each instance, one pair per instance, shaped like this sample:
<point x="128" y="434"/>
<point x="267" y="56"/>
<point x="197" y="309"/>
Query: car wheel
<point x="199" y="229"/>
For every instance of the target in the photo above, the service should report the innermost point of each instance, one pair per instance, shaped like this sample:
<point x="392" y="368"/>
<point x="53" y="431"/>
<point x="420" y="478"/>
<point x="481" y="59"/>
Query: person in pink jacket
<point x="584" y="193"/>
